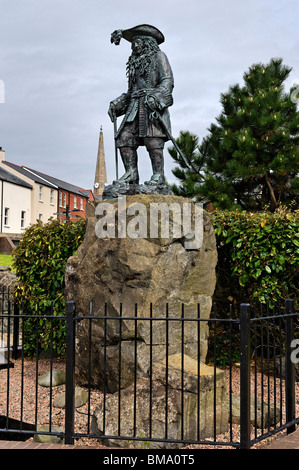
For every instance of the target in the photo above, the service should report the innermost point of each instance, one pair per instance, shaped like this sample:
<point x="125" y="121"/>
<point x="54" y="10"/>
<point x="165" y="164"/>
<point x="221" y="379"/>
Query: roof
<point x="29" y="174"/>
<point x="59" y="183"/>
<point x="10" y="178"/>
<point x="85" y="192"/>
<point x="46" y="180"/>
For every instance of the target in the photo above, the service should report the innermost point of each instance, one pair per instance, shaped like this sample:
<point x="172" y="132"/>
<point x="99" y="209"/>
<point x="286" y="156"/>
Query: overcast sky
<point x="60" y="71"/>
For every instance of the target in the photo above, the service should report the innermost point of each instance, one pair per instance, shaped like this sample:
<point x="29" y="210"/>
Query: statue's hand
<point x="151" y="102"/>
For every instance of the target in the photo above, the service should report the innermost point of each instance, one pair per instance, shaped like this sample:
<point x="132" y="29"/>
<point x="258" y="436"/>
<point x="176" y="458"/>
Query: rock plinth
<point x="137" y="272"/>
<point x="195" y="391"/>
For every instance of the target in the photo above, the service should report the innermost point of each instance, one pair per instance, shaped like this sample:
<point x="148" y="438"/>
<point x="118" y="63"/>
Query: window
<point x="52" y="197"/>
<point x="40" y="216"/>
<point x="75" y="202"/>
<point x="64" y="200"/>
<point x="40" y="193"/>
<point x="23" y="219"/>
<point x="6" y="216"/>
<point x="60" y="199"/>
<point x="81" y="204"/>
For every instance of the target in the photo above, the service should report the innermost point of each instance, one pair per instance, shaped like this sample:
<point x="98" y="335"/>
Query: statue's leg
<point x="129" y="159"/>
<point x="155" y="149"/>
<point x="127" y="142"/>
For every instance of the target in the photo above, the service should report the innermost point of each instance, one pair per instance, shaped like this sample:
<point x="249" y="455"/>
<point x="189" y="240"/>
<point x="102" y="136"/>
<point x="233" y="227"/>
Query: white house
<point x="44" y="194"/>
<point x="15" y="203"/>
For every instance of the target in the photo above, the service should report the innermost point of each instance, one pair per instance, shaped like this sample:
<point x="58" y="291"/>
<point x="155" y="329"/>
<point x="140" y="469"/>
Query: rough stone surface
<point x="81" y="398"/>
<point x="58" y="378"/>
<point x="4" y="268"/>
<point x="150" y="407"/>
<point x="265" y="415"/>
<point x="147" y="272"/>
<point x="8" y="284"/>
<point x="8" y="279"/>
<point x="45" y="438"/>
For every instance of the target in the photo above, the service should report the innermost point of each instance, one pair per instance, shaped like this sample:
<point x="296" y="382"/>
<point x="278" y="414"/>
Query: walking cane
<point x="115" y="147"/>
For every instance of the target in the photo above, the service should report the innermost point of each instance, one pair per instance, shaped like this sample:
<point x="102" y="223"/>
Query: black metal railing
<point x="9" y="329"/>
<point x="258" y="373"/>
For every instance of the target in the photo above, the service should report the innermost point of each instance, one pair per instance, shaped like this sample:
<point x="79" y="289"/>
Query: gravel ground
<point x="41" y="413"/>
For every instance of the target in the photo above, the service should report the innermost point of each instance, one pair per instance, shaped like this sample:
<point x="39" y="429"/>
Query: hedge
<point x="39" y="261"/>
<point x="261" y="251"/>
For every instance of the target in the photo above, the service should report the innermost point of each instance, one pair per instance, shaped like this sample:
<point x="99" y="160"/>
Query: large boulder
<point x="137" y="271"/>
<point x="198" y="391"/>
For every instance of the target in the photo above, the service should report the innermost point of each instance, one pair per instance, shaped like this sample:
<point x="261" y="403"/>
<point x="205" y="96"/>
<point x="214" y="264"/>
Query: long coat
<point x="158" y="84"/>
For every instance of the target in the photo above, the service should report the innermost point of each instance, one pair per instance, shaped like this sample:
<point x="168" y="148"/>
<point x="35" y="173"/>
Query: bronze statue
<point x="145" y="105"/>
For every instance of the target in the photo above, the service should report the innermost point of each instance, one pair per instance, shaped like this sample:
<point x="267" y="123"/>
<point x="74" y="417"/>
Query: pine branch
<point x="271" y="189"/>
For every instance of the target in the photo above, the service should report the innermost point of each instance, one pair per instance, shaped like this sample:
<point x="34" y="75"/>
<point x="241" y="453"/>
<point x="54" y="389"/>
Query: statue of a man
<point x="145" y="105"/>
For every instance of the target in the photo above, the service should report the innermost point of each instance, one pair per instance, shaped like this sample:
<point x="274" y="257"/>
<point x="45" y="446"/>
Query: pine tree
<point x="251" y="156"/>
<point x="190" y="169"/>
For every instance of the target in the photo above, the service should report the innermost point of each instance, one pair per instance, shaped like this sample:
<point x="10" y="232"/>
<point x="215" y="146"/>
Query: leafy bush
<point x="39" y="261"/>
<point x="261" y="251"/>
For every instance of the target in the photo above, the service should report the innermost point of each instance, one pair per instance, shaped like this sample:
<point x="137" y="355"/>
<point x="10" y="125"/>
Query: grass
<point x="6" y="260"/>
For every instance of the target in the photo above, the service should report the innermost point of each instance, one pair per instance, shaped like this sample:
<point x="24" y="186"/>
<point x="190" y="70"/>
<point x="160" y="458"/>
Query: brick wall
<point x="6" y="245"/>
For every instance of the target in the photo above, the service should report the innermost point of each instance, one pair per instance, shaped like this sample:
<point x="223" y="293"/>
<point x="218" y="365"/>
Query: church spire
<point x="100" y="175"/>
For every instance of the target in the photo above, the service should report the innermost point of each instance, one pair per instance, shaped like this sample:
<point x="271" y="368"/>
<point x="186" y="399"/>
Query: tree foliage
<point x="250" y="158"/>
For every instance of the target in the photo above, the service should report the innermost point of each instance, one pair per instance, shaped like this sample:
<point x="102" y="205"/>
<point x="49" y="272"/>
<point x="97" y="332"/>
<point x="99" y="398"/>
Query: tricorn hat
<point x="140" y="30"/>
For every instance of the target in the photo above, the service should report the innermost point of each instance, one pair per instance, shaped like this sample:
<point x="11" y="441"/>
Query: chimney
<point x="2" y="155"/>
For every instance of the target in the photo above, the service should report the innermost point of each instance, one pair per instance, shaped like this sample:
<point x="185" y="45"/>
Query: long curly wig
<point x="142" y="61"/>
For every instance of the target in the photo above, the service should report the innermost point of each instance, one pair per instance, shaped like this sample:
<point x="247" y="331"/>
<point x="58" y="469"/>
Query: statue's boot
<point x="157" y="160"/>
<point x="129" y="159"/>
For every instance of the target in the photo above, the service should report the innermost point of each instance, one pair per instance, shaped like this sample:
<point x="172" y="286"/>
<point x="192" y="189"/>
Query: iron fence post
<point x="16" y="328"/>
<point x="70" y="376"/>
<point x="289" y="366"/>
<point x="245" y="376"/>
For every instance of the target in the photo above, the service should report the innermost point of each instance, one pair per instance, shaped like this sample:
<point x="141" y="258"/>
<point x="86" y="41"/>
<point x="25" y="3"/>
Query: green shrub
<point x="261" y="250"/>
<point x="39" y="261"/>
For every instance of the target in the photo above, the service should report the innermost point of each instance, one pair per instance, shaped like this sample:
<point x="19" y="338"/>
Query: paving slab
<point x="39" y="445"/>
<point x="290" y="441"/>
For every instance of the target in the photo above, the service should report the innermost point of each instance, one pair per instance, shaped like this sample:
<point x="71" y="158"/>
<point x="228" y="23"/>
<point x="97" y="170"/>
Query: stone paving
<point x="290" y="441"/>
<point x="38" y="445"/>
